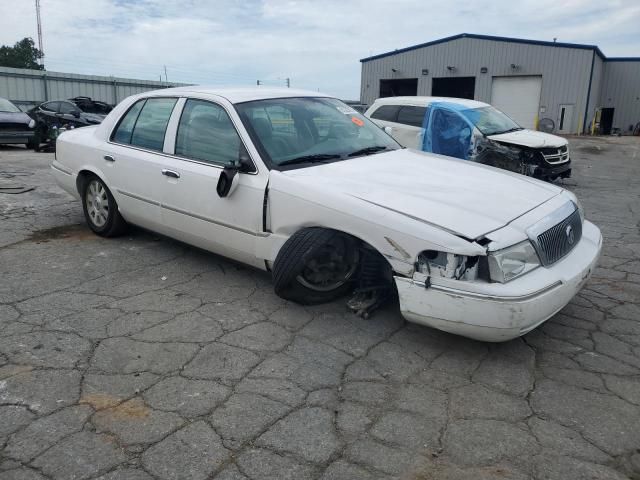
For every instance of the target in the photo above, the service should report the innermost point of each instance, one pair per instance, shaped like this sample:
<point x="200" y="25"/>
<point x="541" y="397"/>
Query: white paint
<point x="530" y="138"/>
<point x="400" y="202"/>
<point x="496" y="320"/>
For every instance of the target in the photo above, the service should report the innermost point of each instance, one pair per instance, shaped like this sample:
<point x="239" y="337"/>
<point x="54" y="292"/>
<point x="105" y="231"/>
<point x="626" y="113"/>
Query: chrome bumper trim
<point x="483" y="296"/>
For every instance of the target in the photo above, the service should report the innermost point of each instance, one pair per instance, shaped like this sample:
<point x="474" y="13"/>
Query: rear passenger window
<point x="388" y="113"/>
<point x="151" y="125"/>
<point x="206" y="133"/>
<point x="410" y="115"/>
<point x="125" y="127"/>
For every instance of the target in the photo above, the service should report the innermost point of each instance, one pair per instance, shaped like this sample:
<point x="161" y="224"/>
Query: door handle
<point x="109" y="158"/>
<point x="170" y="173"/>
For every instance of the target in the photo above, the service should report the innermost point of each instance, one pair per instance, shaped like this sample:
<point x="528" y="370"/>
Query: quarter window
<point x="124" y="130"/>
<point x="411" y="115"/>
<point x="206" y="133"/>
<point x="388" y="113"/>
<point x="151" y="125"/>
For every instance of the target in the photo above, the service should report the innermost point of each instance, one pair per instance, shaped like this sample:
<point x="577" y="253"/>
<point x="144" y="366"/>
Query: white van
<point x="473" y="131"/>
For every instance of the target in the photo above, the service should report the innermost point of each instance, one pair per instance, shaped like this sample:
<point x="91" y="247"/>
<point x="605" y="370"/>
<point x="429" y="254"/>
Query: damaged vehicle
<point x="16" y="127"/>
<point x="301" y="185"/>
<point x="474" y="131"/>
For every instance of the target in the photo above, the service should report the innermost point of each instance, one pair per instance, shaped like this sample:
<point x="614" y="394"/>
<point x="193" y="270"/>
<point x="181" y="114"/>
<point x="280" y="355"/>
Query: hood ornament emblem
<point x="570" y="235"/>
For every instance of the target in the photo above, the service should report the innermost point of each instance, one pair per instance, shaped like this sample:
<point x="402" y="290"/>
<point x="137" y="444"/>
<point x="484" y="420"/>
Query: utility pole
<point x="41" y="60"/>
<point x="288" y="82"/>
<point x="165" y="74"/>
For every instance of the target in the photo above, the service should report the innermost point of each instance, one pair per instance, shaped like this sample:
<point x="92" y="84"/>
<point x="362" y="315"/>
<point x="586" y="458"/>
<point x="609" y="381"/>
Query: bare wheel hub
<point x="97" y="203"/>
<point x="331" y="266"/>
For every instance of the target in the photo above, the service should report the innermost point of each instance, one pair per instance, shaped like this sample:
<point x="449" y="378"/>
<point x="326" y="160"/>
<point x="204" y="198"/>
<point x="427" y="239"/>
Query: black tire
<point x="302" y="249"/>
<point x="114" y="224"/>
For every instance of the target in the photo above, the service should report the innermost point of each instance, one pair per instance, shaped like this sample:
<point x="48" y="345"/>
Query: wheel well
<point x="82" y="178"/>
<point x="383" y="270"/>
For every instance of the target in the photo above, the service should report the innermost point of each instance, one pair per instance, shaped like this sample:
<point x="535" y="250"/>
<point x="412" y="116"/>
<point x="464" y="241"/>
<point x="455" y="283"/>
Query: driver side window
<point x="206" y="133"/>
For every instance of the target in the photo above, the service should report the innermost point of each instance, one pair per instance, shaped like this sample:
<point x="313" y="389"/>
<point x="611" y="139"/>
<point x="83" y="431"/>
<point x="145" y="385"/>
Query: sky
<point x="317" y="44"/>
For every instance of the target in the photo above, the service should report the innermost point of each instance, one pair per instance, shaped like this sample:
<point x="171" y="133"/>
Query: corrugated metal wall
<point x="621" y="90"/>
<point x="565" y="71"/>
<point x="30" y="87"/>
<point x="594" y="96"/>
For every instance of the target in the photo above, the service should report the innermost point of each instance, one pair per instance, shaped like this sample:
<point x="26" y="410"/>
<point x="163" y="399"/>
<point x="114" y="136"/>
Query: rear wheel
<point x="316" y="265"/>
<point x="101" y="209"/>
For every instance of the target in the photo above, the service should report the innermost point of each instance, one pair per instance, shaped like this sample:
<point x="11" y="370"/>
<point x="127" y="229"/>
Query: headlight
<point x="511" y="262"/>
<point x="32" y="123"/>
<point x="448" y="265"/>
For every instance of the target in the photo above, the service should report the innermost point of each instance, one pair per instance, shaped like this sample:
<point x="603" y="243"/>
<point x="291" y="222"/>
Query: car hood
<point x="14" y="117"/>
<point x="465" y="198"/>
<point x="529" y="138"/>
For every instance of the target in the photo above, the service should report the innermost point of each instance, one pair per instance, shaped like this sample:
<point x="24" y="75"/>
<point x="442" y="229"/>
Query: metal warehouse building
<point x="574" y="85"/>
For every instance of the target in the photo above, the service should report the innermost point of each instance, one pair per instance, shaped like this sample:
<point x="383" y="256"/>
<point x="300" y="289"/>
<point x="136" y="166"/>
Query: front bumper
<point x="547" y="170"/>
<point x="495" y="312"/>
<point x="16" y="137"/>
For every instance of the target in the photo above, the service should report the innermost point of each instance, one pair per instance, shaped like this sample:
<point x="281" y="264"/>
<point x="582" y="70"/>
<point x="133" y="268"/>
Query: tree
<point x="23" y="54"/>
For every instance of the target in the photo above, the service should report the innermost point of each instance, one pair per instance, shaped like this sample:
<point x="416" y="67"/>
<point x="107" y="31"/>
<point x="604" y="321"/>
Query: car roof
<point x="237" y="94"/>
<point x="424" y="101"/>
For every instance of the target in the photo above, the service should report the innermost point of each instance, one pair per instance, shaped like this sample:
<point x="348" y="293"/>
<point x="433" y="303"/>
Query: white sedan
<point x="300" y="184"/>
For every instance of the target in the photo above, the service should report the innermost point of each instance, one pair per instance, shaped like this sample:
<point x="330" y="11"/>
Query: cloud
<point x="317" y="44"/>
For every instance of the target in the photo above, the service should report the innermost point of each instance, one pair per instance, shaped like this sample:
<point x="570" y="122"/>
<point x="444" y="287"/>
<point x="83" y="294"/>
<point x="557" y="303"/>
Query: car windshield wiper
<point x="368" y="150"/>
<point x="316" y="158"/>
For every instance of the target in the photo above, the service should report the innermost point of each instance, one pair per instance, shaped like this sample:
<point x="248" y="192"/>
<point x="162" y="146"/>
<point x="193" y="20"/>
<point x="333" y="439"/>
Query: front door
<point x="205" y="141"/>
<point x="565" y="119"/>
<point x="447" y="133"/>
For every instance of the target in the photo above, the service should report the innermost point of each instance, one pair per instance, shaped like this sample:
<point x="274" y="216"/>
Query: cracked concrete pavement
<point x="140" y="357"/>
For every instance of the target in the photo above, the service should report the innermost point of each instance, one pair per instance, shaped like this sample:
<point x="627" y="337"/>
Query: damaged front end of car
<point x="520" y="159"/>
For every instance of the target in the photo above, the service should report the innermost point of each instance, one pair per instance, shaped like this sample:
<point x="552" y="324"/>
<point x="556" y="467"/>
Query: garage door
<point x="518" y="97"/>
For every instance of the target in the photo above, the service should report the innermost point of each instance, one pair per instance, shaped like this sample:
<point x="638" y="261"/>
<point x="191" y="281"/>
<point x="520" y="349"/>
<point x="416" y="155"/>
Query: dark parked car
<point x="77" y="112"/>
<point x="15" y="126"/>
<point x="88" y="105"/>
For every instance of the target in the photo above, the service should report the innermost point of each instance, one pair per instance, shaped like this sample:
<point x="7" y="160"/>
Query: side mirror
<point x="227" y="181"/>
<point x="76" y="113"/>
<point x="388" y="130"/>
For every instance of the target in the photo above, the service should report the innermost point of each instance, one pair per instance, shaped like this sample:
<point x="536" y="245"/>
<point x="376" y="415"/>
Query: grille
<point x="554" y="150"/>
<point x="555" y="155"/>
<point x="13" y="127"/>
<point x="560" y="239"/>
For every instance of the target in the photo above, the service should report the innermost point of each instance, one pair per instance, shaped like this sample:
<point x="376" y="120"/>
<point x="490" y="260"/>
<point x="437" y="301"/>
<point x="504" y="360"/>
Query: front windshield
<point x="7" y="106"/>
<point x="490" y="121"/>
<point x="294" y="131"/>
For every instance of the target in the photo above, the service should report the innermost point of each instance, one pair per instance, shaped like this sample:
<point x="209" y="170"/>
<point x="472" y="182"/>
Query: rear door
<point x="204" y="138"/>
<point x="405" y="122"/>
<point x="134" y="160"/>
<point x="409" y="126"/>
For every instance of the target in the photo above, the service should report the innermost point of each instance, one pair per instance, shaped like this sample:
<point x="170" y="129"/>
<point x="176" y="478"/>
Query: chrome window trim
<point x="173" y="155"/>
